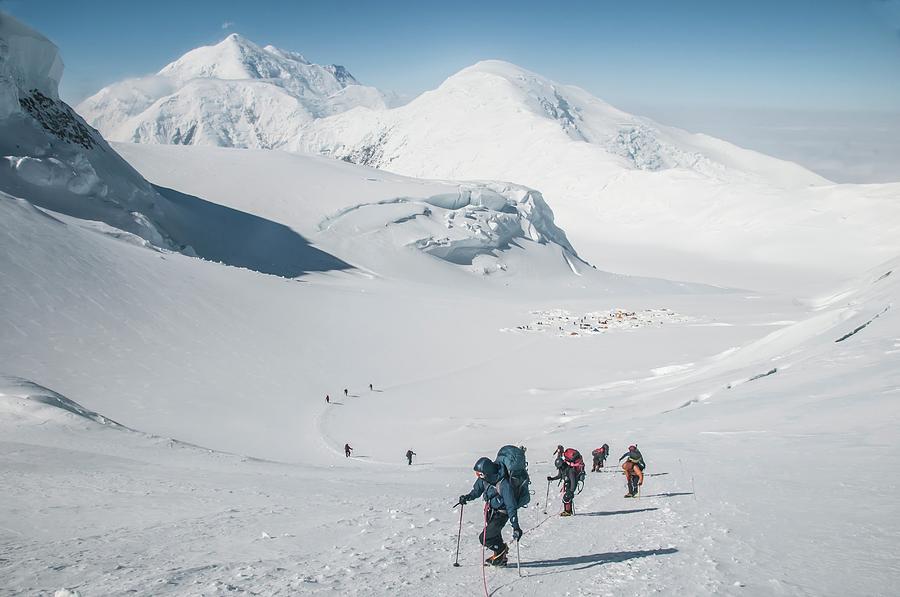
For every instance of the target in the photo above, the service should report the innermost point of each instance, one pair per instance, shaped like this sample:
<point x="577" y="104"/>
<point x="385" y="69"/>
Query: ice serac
<point x="50" y="155"/>
<point x="28" y="60"/>
<point x="231" y="94"/>
<point x="471" y="225"/>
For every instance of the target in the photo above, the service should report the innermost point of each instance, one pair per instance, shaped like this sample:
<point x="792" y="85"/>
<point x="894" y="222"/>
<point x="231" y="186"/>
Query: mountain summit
<point x="234" y="93"/>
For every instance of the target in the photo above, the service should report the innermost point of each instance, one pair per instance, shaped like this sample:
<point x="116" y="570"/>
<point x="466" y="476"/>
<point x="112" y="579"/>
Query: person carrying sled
<point x="599" y="455"/>
<point x="570" y="469"/>
<point x="501" y="505"/>
<point x="634" y="469"/>
<point x="409" y="455"/>
<point x="347" y="450"/>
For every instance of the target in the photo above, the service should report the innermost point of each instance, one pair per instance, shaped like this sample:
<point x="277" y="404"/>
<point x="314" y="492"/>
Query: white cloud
<point x="227" y="24"/>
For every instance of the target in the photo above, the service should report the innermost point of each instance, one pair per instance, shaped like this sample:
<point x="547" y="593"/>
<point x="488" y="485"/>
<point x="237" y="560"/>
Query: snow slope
<point x="210" y="355"/>
<point x="633" y="195"/>
<point x="232" y="94"/>
<point x="163" y="428"/>
<point x="372" y="219"/>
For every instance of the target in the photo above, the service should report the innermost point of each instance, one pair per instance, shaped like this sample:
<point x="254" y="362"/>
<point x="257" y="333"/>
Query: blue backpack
<point x="513" y="466"/>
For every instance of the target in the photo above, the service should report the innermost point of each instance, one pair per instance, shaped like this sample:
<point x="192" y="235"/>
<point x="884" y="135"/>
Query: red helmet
<point x="632" y="448"/>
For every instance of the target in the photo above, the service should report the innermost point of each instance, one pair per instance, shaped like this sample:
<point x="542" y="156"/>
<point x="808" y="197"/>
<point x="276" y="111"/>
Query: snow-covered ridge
<point x="231" y="94"/>
<point x="22" y="398"/>
<point x="51" y="155"/>
<point x="504" y="97"/>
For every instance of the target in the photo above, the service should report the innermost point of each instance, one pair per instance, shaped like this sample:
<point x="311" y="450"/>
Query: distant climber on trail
<point x="327" y="399"/>
<point x="347" y="450"/>
<point x="504" y="485"/>
<point x="600" y="455"/>
<point x="634" y="469"/>
<point x="345" y="392"/>
<point x="570" y="469"/>
<point x="409" y="455"/>
<point x="370" y="387"/>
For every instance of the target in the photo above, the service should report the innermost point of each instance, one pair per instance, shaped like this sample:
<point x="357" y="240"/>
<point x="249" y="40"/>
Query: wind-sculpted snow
<point x="232" y="94"/>
<point x="22" y="398"/>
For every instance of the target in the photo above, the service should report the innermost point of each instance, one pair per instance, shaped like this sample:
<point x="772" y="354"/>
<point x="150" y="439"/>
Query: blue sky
<point x="838" y="54"/>
<point x="672" y="56"/>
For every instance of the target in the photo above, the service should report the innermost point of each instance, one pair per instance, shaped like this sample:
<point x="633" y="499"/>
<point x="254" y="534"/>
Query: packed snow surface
<point x="164" y="428"/>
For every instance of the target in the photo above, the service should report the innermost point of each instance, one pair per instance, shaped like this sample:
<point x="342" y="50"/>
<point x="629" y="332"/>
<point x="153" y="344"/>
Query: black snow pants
<point x="570" y="481"/>
<point x="492" y="536"/>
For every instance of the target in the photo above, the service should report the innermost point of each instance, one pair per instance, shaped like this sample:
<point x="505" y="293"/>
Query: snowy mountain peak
<point x="237" y="58"/>
<point x="235" y="93"/>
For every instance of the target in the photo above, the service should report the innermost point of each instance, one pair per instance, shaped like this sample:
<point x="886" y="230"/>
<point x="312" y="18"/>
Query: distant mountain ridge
<point x="231" y="94"/>
<point x="632" y="195"/>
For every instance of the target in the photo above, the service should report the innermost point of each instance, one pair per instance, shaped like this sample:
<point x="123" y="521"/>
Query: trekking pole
<point x="547" y="497"/>
<point x="459" y="535"/>
<point x="483" y="541"/>
<point x="518" y="559"/>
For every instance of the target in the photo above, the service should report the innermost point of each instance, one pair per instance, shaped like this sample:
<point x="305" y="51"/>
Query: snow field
<point x="163" y="428"/>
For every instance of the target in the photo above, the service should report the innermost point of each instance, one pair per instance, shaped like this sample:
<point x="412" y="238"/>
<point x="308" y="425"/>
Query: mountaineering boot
<point x="565" y="513"/>
<point x="629" y="494"/>
<point x="499" y="557"/>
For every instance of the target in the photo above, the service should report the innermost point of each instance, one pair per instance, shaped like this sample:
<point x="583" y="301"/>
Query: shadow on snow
<point x="616" y="512"/>
<point x="589" y="561"/>
<point x="236" y="238"/>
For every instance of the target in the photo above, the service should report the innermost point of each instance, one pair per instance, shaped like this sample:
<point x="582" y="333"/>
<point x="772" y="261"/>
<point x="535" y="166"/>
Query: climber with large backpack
<point x="504" y="486"/>
<point x="570" y="470"/>
<point x="600" y="455"/>
<point x="634" y="470"/>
